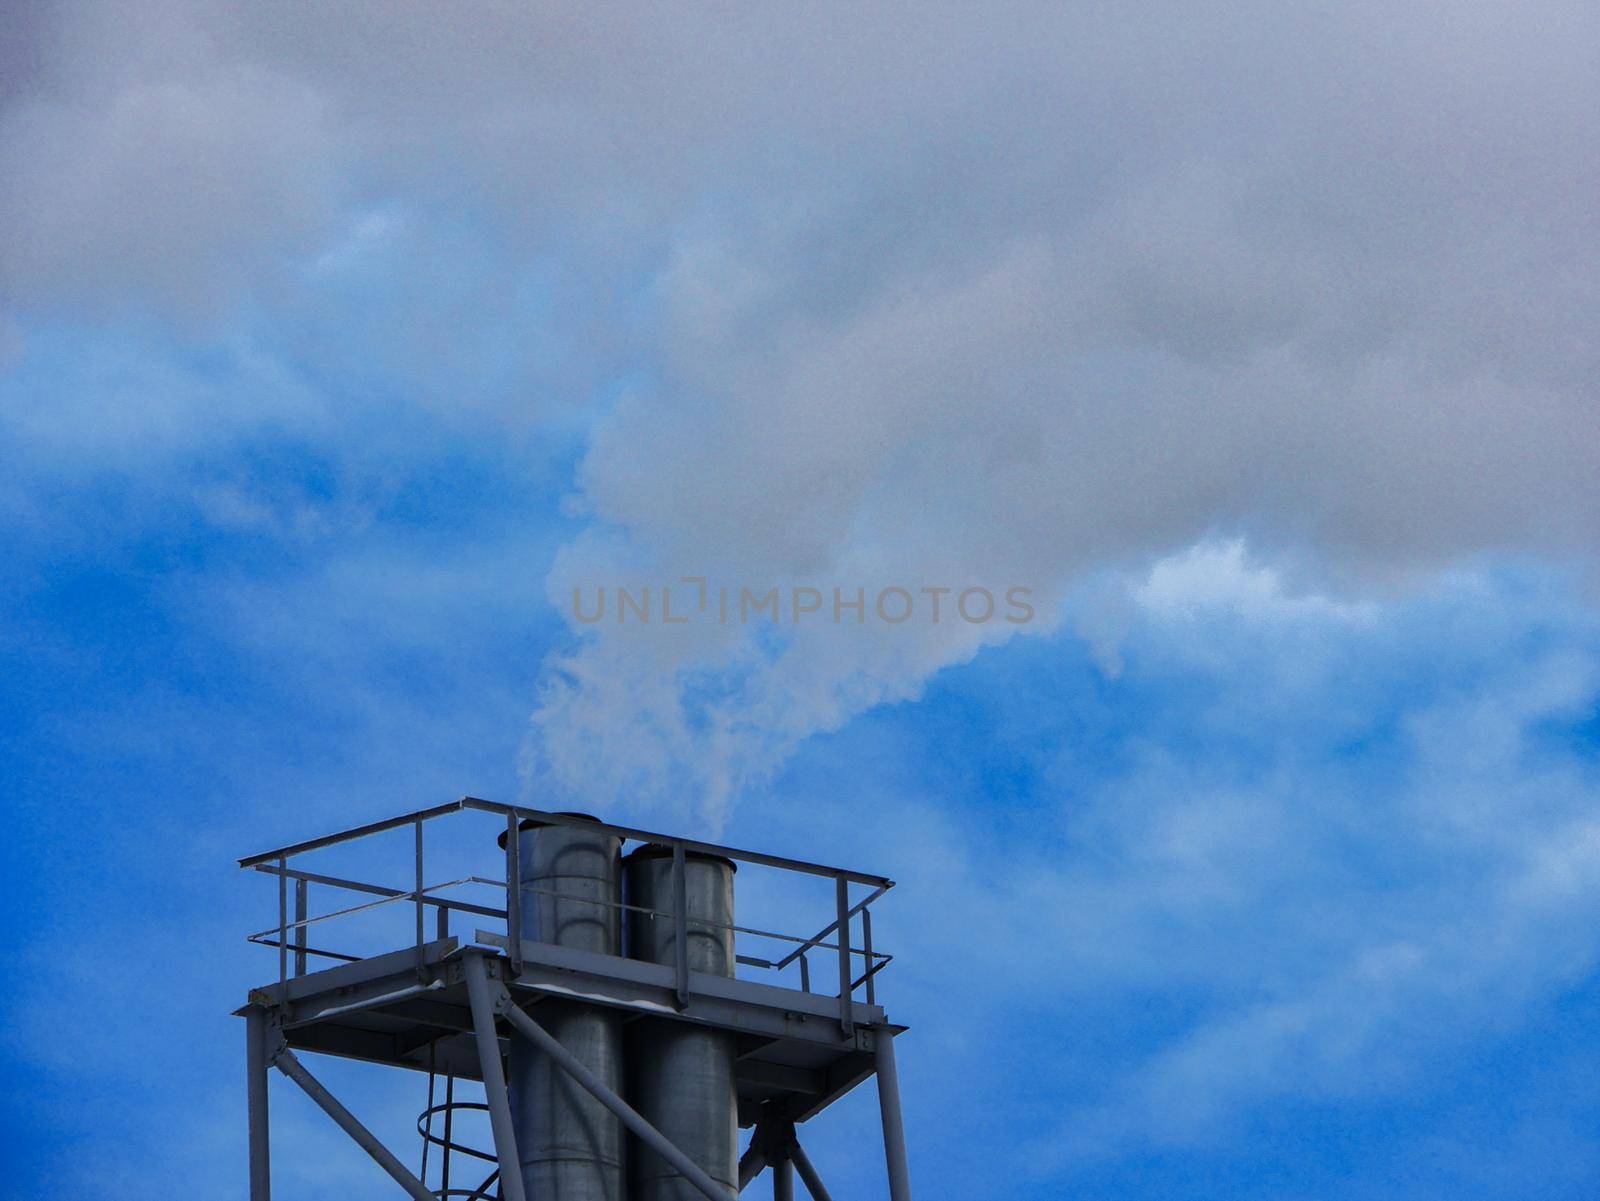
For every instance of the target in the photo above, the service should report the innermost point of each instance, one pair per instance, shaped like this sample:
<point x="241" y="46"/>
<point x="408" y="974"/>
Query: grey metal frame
<point x="447" y="999"/>
<point x="267" y="1049"/>
<point x="494" y="1081"/>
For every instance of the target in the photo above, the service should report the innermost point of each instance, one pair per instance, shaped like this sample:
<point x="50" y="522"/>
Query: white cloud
<point x="1339" y="852"/>
<point x="1212" y="576"/>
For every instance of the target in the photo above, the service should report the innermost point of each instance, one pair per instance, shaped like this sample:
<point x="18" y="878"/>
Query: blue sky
<point x="337" y="347"/>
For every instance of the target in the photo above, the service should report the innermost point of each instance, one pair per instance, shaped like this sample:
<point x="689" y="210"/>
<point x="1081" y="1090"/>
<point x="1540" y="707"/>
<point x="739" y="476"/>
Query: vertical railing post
<point x="420" y="908"/>
<point x="513" y="893"/>
<point x="680" y="918"/>
<point x="866" y="947"/>
<point x="283" y="924"/>
<point x="841" y="893"/>
<point x="255" y="1024"/>
<point x="302" y="906"/>
<point x="805" y="973"/>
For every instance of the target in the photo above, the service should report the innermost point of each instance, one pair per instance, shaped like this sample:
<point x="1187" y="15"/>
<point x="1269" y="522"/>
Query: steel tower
<point x="603" y="1010"/>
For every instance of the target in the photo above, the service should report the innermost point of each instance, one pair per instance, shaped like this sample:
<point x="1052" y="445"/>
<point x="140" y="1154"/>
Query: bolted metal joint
<point x="776" y="1134"/>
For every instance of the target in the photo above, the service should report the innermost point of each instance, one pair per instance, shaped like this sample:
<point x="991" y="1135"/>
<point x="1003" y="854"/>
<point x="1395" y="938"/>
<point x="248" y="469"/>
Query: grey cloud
<point x="172" y="180"/>
<point x="930" y="290"/>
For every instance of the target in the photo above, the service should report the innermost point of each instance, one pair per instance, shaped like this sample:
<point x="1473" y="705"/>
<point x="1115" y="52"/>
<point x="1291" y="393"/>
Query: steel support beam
<point x="751" y="1162"/>
<point x="631" y="1118"/>
<point x="256" y="1065"/>
<point x="808" y="1172"/>
<point x="494" y="1078"/>
<point x="894" y="1133"/>
<point x="364" y="1138"/>
<point x="783" y="1181"/>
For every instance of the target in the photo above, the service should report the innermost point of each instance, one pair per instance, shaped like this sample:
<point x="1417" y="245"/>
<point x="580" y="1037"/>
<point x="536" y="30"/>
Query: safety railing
<point x="858" y="964"/>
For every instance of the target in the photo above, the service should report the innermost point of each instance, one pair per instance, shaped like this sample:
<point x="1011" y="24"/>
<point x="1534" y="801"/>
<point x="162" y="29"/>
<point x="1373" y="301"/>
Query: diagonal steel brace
<point x="631" y="1118"/>
<point x="284" y="1060"/>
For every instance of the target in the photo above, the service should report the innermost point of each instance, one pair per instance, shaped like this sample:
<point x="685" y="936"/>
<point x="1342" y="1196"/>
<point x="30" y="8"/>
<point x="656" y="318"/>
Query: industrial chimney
<point x="621" y="1035"/>
<point x="682" y="1075"/>
<point x="570" y="1145"/>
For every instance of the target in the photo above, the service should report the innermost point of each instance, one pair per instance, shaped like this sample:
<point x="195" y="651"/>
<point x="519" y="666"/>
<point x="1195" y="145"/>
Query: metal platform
<point x="792" y="1054"/>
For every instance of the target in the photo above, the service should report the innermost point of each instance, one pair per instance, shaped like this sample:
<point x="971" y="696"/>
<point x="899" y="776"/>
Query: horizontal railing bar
<point x="704" y="923"/>
<point x="294" y="873"/>
<point x="815" y="939"/>
<point x="312" y="921"/>
<point x="328" y="840"/>
<point x="379" y="890"/>
<point x="262" y="941"/>
<point x="387" y="895"/>
<point x="688" y="844"/>
<point x="562" y="819"/>
<point x="301" y="923"/>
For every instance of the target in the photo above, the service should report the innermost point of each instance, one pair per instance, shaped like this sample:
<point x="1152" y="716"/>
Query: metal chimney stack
<point x="570" y="1145"/>
<point x="682" y="1076"/>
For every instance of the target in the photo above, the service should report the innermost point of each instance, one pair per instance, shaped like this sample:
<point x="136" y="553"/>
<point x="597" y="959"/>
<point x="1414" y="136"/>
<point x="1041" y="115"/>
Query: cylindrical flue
<point x="682" y="1075"/>
<point x="571" y="1146"/>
